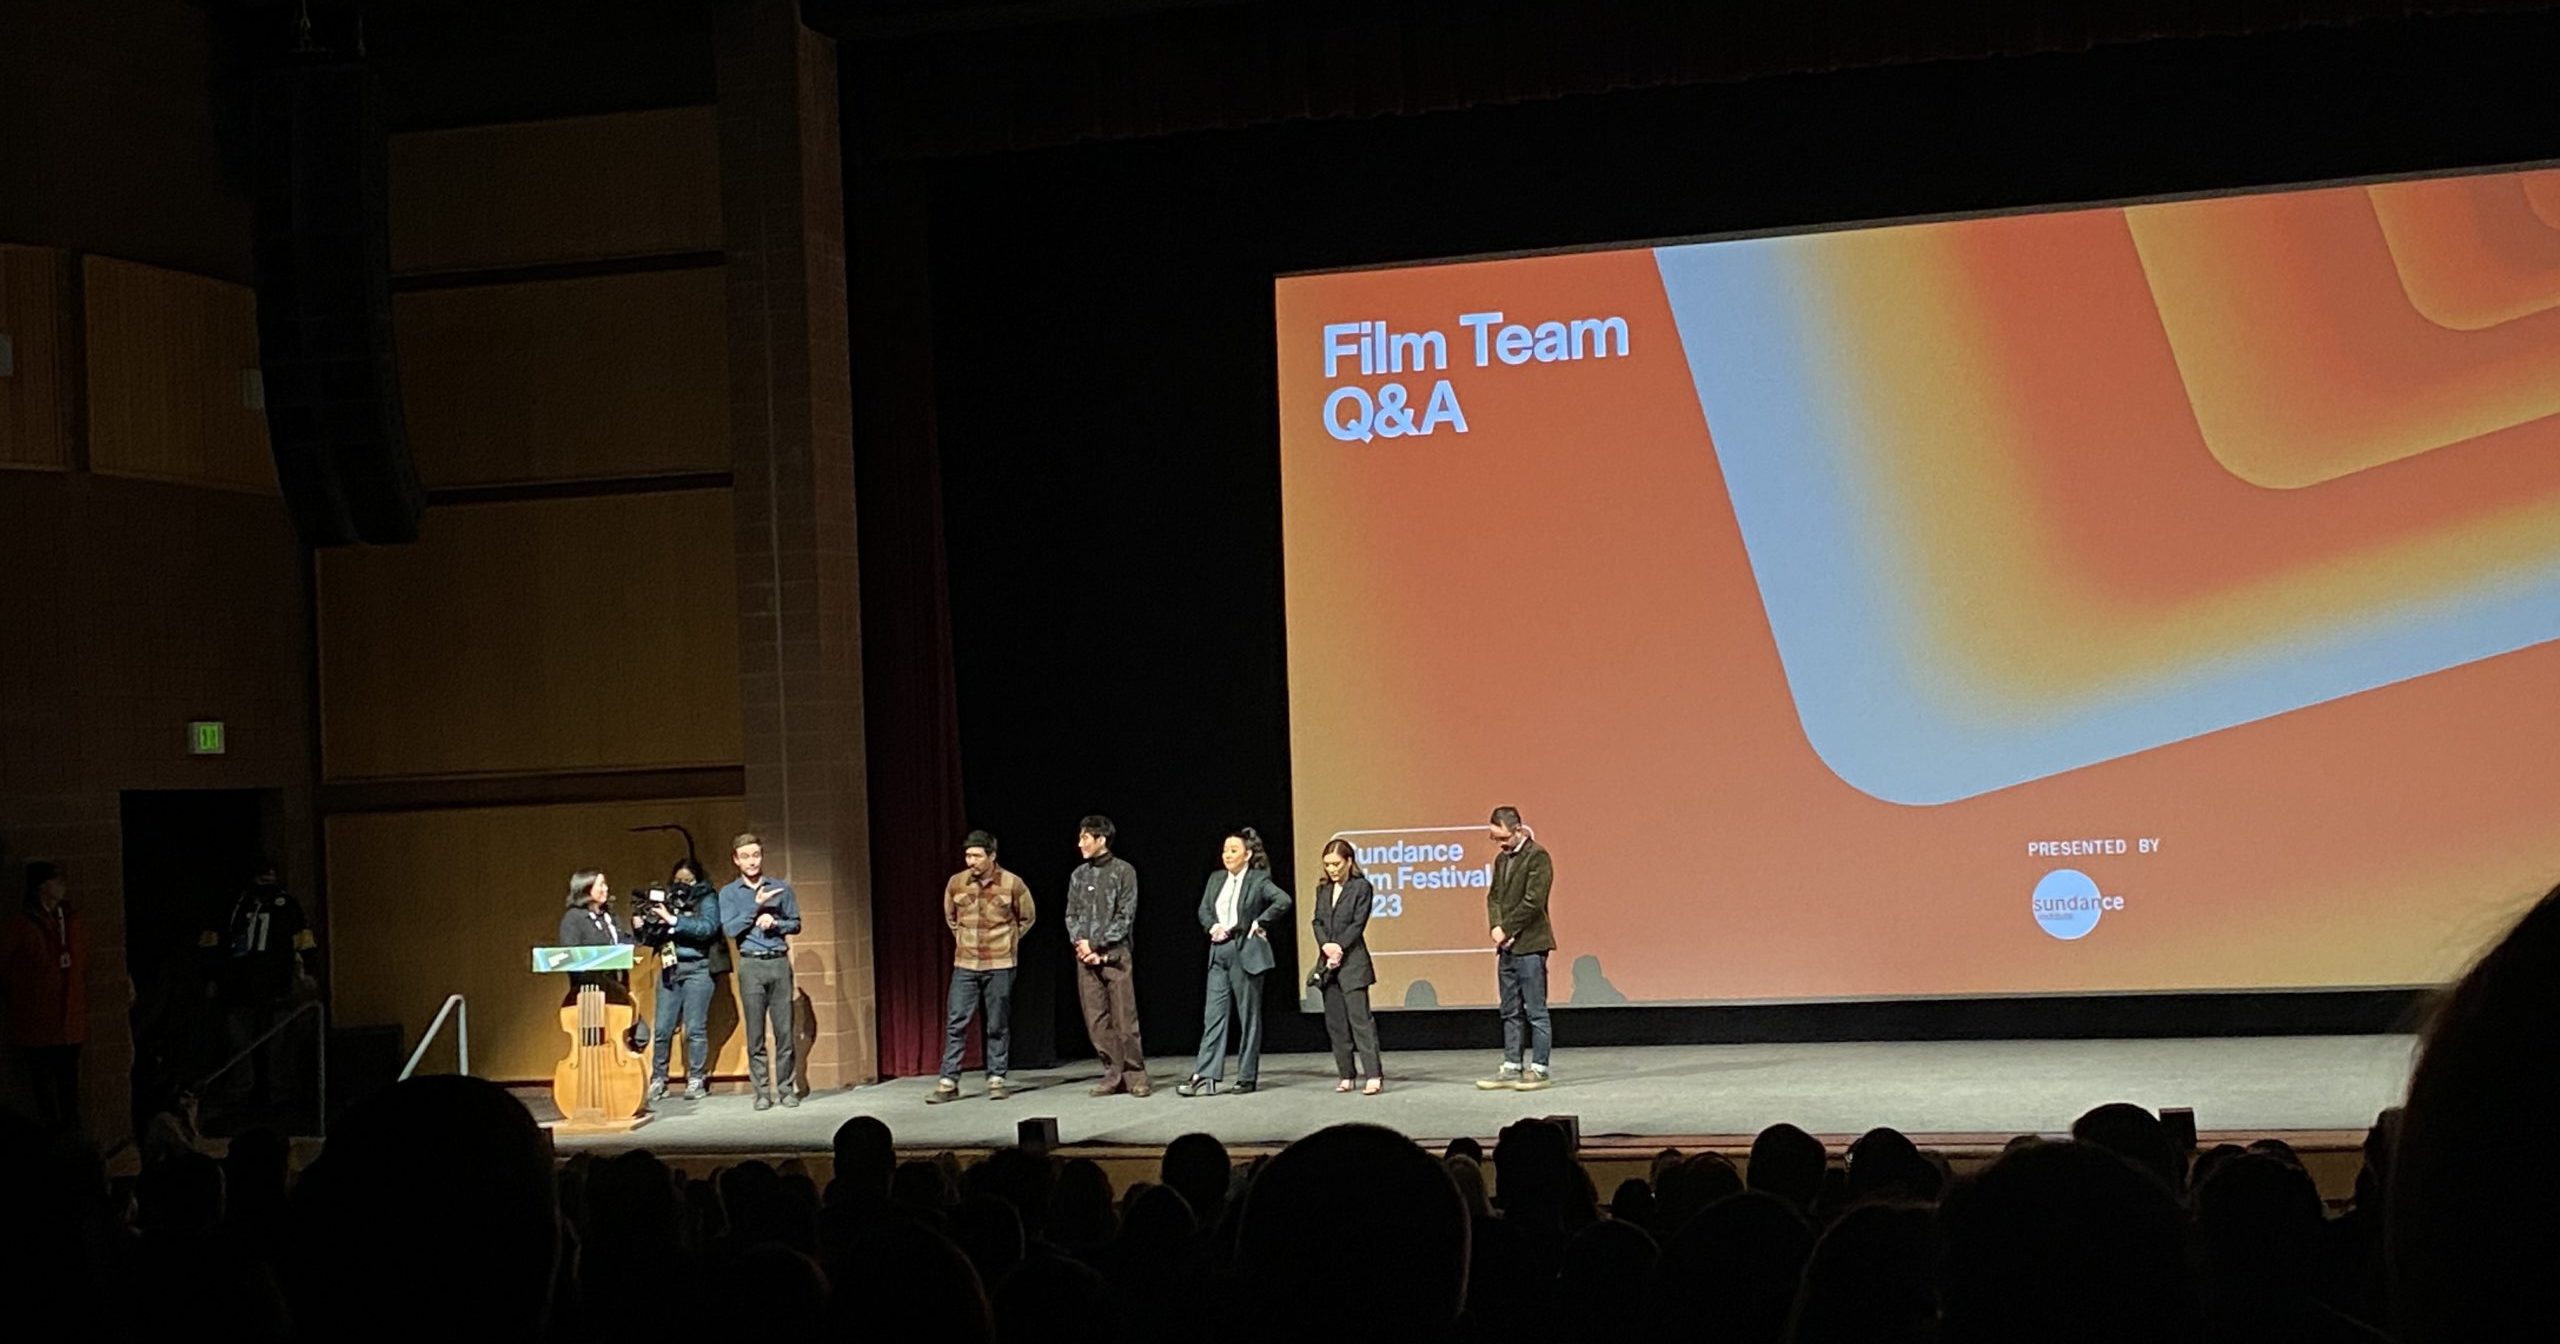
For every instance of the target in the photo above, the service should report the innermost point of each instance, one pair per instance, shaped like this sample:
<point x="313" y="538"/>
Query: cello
<point x="602" y="1080"/>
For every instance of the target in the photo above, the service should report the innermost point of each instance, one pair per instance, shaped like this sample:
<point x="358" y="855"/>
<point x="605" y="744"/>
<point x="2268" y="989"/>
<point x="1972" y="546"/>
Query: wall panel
<point x="584" y="379"/>
<point x="551" y="635"/>
<point x="35" y="398"/>
<point x="625" y="184"/>
<point x="169" y="358"/>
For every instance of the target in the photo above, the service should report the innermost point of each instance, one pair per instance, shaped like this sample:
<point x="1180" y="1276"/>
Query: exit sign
<point x="204" y="738"/>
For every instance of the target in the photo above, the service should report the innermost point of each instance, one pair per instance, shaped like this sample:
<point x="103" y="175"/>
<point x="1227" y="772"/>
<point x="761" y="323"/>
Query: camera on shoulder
<point x="680" y="899"/>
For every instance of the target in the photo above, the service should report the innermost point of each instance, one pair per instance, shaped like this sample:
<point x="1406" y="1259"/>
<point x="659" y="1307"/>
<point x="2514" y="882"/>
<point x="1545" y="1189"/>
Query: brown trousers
<point x="1109" y="996"/>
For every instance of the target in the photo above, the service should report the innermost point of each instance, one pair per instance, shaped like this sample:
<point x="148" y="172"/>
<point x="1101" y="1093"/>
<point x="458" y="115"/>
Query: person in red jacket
<point x="44" y="961"/>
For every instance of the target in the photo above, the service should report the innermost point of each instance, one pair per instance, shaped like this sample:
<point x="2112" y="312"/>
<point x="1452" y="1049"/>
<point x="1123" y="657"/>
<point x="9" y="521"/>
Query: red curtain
<point x="911" y="714"/>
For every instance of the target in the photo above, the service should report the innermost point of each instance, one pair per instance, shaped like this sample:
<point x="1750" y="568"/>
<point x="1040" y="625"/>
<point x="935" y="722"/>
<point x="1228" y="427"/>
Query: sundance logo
<point x="2068" y="904"/>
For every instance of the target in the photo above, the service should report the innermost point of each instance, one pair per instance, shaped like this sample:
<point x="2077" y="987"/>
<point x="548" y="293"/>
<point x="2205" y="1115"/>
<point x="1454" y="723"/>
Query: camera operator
<point x="681" y="921"/>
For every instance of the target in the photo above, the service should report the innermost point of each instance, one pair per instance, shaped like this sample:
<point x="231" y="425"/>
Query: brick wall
<point x="791" y="442"/>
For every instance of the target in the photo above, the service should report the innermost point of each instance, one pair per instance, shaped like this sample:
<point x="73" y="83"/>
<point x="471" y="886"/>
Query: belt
<point x="761" y="956"/>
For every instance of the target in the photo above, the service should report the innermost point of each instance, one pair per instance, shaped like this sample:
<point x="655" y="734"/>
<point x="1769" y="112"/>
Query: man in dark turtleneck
<point x="1102" y="913"/>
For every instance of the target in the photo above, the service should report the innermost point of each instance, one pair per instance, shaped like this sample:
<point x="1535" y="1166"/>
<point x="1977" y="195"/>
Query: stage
<point x="1959" y="1096"/>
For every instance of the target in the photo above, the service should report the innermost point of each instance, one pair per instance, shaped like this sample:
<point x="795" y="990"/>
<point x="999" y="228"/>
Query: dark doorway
<point x="188" y="853"/>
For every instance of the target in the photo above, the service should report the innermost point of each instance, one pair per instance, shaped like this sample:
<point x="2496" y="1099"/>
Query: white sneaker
<point x="1507" y="1079"/>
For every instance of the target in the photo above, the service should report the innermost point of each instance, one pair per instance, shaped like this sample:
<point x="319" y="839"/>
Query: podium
<point x="602" y="1084"/>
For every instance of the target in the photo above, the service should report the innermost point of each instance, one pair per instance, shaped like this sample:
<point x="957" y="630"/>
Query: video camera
<point x="680" y="899"/>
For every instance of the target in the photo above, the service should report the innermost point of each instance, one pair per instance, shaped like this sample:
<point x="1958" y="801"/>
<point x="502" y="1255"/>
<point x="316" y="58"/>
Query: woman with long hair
<point x="1344" y="973"/>
<point x="589" y="922"/>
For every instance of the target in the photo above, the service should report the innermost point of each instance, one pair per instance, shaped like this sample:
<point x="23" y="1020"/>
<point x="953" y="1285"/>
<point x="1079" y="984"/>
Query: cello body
<point x="603" y="1080"/>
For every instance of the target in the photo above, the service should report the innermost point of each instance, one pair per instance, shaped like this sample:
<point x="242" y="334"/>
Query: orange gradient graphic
<point x="2473" y="252"/>
<point x="2304" y="355"/>
<point x="2025" y="407"/>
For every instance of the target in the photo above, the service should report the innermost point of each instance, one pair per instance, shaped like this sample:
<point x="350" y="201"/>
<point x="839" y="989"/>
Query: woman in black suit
<point x="589" y="922"/>
<point x="1238" y="901"/>
<point x="1344" y="974"/>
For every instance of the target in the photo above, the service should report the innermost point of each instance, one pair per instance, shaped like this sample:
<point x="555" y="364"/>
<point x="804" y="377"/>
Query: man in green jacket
<point x="1516" y="908"/>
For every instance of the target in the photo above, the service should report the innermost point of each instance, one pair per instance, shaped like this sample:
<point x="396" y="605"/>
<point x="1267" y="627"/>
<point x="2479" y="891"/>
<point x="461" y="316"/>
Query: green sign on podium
<point x="578" y="960"/>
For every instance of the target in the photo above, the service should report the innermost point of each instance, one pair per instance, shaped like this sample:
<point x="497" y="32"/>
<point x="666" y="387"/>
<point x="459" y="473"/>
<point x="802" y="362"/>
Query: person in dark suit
<point x="589" y="922"/>
<point x="1233" y="908"/>
<point x="1344" y="974"/>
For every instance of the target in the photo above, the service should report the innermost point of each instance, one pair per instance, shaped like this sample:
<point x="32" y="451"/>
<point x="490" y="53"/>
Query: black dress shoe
<point x="1248" y="1085"/>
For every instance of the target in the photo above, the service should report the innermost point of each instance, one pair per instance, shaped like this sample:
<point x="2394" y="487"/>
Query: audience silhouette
<point x="2470" y="1239"/>
<point x="1872" y="1279"/>
<point x="435" y="1207"/>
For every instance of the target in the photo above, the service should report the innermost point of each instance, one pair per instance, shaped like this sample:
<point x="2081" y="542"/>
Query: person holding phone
<point x="762" y="913"/>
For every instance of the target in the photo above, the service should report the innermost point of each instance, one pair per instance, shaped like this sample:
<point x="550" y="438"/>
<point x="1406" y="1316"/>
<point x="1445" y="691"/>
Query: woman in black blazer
<point x="1343" y="971"/>
<point x="1240" y="899"/>
<point x="589" y="922"/>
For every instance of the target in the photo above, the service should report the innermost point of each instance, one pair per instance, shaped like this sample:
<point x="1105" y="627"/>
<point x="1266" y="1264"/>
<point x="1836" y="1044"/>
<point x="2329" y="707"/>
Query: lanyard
<point x="56" y="931"/>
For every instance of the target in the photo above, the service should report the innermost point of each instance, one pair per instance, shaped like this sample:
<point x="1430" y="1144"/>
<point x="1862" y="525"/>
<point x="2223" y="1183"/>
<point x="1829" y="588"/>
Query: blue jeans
<point x="684" y="994"/>
<point x="1524" y="1005"/>
<point x="969" y="989"/>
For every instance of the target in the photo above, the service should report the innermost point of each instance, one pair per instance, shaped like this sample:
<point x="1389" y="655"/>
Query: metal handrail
<point x="461" y="1014"/>
<point x="319" y="1010"/>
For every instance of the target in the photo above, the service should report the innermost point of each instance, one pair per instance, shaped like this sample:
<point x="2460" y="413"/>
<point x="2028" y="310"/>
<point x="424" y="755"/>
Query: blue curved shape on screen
<point x="1878" y="704"/>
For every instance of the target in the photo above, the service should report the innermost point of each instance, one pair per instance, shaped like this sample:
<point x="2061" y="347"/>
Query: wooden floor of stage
<point x="1962" y="1097"/>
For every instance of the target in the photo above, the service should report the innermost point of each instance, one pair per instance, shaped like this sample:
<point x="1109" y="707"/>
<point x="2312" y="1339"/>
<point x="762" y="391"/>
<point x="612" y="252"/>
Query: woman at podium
<point x="600" y="1082"/>
<point x="588" y="923"/>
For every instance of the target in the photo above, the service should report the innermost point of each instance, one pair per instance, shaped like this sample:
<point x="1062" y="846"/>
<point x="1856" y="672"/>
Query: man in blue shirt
<point x="762" y="913"/>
